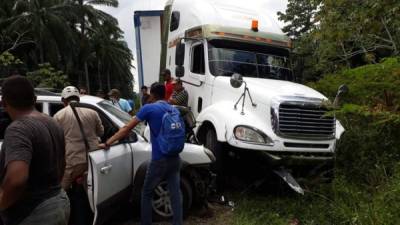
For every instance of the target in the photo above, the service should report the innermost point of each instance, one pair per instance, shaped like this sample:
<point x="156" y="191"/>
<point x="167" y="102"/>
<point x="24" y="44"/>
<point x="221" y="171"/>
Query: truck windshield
<point x="249" y="60"/>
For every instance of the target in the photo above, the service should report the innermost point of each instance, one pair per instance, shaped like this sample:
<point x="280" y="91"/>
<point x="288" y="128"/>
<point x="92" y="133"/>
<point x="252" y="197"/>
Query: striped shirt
<point x="181" y="98"/>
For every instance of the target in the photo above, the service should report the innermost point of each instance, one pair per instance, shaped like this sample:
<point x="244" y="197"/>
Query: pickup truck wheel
<point x="162" y="208"/>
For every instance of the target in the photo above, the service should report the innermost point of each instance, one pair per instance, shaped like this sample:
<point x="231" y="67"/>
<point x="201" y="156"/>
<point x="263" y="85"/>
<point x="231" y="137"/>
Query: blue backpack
<point x="172" y="134"/>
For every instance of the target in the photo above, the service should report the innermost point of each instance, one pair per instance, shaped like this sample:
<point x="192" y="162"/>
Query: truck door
<point x="200" y="89"/>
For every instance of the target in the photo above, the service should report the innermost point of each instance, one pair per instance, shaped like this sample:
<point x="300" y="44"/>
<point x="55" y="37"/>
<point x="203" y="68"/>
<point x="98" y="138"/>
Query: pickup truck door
<point x="109" y="181"/>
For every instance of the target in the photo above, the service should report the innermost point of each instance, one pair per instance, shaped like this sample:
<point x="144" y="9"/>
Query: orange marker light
<point x="254" y="25"/>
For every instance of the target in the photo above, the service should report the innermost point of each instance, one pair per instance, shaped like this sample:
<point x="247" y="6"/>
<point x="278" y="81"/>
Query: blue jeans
<point x="53" y="211"/>
<point x="164" y="169"/>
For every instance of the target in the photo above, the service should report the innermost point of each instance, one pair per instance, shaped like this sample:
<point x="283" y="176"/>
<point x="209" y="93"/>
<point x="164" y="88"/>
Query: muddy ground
<point x="220" y="215"/>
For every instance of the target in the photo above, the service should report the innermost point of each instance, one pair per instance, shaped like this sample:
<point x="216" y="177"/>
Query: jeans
<point x="53" y="211"/>
<point x="81" y="213"/>
<point x="164" y="169"/>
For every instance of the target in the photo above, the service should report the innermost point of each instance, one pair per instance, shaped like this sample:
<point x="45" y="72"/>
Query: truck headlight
<point x="250" y="134"/>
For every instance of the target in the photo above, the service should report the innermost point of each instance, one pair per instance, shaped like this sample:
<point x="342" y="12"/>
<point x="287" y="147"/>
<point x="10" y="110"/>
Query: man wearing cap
<point x="116" y="100"/>
<point x="75" y="151"/>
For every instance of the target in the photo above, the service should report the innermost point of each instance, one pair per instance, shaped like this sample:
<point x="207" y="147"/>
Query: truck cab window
<point x="250" y="60"/>
<point x="197" y="64"/>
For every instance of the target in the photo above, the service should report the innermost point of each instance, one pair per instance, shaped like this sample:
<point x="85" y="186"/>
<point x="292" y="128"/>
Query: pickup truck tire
<point x="163" y="212"/>
<point x="211" y="142"/>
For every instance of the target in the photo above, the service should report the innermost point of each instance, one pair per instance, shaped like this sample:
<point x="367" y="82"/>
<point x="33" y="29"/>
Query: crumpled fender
<point x="339" y="130"/>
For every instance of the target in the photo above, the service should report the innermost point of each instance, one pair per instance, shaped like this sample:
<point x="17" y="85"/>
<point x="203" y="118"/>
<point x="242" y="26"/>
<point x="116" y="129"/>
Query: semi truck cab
<point x="211" y="45"/>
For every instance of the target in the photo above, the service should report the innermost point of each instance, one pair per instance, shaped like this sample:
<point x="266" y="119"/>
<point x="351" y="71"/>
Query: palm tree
<point x="45" y="24"/>
<point x="112" y="54"/>
<point x="72" y="35"/>
<point x="90" y="17"/>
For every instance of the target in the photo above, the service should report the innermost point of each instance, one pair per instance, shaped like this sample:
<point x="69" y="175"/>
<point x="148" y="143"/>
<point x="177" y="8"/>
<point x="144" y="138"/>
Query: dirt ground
<point x="221" y="215"/>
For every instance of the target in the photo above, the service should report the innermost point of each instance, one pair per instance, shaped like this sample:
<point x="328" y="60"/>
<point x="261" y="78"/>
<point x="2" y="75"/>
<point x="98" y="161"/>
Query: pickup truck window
<point x="54" y="108"/>
<point x="5" y="120"/>
<point x="121" y="115"/>
<point x="249" y="61"/>
<point x="39" y="107"/>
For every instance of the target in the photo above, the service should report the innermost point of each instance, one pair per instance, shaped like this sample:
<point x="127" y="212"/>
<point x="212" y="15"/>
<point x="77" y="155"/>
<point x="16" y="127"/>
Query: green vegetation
<point x="366" y="188"/>
<point x="71" y="36"/>
<point x="337" y="203"/>
<point x="330" y="35"/>
<point x="46" y="76"/>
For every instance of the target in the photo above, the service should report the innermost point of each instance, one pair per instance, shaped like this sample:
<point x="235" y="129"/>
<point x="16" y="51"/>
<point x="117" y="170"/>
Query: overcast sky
<point x="126" y="8"/>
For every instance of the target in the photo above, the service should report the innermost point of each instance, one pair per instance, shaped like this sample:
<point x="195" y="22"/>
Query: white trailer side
<point x="148" y="45"/>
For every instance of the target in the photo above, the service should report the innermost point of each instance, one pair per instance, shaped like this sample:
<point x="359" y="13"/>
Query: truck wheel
<point x="211" y="142"/>
<point x="162" y="208"/>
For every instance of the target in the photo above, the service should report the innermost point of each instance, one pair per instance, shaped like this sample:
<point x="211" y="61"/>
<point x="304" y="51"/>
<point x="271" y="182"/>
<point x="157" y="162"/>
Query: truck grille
<point x="300" y="120"/>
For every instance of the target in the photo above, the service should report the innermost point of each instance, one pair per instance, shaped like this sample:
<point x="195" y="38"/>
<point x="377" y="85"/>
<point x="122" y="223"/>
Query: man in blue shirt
<point x="161" y="167"/>
<point x="115" y="97"/>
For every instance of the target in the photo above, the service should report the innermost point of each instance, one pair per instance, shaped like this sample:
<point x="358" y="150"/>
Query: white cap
<point x="69" y="92"/>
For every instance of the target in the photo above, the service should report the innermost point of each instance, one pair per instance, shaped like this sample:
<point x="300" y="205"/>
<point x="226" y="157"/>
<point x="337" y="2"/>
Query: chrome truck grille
<point x="304" y="120"/>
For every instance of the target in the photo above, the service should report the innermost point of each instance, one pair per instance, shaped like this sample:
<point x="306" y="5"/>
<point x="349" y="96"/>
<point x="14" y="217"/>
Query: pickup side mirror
<point x="131" y="138"/>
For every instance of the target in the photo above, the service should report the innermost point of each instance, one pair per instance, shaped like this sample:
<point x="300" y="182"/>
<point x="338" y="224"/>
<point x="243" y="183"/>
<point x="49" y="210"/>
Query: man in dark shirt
<point x="32" y="161"/>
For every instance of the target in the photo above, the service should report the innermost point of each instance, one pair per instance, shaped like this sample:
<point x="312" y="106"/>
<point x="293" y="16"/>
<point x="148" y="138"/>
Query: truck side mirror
<point x="179" y="71"/>
<point x="180" y="53"/>
<point x="236" y="80"/>
<point x="175" y="17"/>
<point x="343" y="89"/>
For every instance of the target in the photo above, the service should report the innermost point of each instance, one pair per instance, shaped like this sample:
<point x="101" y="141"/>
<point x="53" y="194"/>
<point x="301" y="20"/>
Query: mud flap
<point x="288" y="178"/>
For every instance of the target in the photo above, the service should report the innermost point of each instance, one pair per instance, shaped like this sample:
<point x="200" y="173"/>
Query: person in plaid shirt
<point x="180" y="96"/>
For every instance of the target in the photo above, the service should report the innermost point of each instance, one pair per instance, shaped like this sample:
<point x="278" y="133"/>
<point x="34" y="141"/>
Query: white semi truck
<point x="224" y="50"/>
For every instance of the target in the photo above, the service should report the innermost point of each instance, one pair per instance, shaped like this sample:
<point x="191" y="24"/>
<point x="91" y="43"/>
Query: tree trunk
<point x="108" y="80"/>
<point x="99" y="75"/>
<point x="87" y="77"/>
<point x="41" y="53"/>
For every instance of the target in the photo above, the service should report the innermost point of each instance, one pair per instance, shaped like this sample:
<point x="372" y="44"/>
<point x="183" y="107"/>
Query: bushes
<point x="47" y="77"/>
<point x="366" y="190"/>
<point x="370" y="148"/>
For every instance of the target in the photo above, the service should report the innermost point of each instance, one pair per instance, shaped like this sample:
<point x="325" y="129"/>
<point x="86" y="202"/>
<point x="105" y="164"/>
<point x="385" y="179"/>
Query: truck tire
<point x="211" y="142"/>
<point x="162" y="209"/>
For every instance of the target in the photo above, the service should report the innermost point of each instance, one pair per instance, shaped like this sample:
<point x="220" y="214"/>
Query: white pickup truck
<point x="116" y="176"/>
